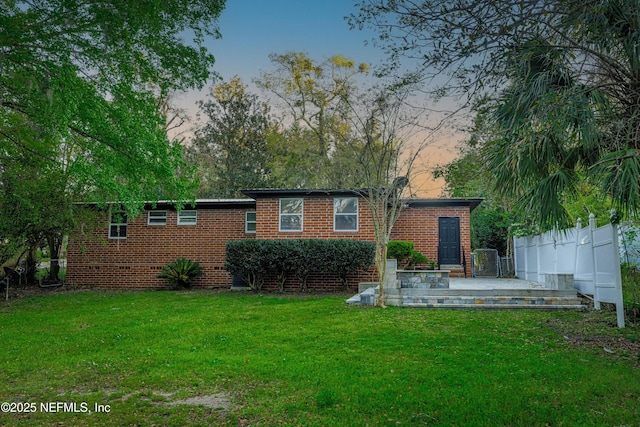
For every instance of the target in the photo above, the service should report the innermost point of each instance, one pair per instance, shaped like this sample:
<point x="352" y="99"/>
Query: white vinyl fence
<point x="590" y="254"/>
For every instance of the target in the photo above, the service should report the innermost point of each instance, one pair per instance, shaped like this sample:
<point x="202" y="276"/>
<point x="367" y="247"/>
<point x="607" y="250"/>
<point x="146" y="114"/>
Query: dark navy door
<point x="449" y="241"/>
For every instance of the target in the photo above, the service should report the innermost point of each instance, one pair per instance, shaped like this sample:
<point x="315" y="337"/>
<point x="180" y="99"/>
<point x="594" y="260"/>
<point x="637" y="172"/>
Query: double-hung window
<point x="250" y="222"/>
<point x="291" y="214"/>
<point x="118" y="225"/>
<point x="345" y="214"/>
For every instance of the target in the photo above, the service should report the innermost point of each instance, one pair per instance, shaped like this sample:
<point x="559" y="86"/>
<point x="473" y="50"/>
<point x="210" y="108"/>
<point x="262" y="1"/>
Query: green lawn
<point x="291" y="360"/>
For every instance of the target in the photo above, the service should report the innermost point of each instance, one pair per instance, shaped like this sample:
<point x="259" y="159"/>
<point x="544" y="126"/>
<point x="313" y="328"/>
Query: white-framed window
<point x="291" y="214"/>
<point x="345" y="214"/>
<point x="157" y="218"/>
<point x="187" y="217"/>
<point x="250" y="222"/>
<point x="118" y="225"/>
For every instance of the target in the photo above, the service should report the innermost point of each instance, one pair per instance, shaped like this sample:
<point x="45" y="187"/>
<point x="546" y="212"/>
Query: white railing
<point x="590" y="254"/>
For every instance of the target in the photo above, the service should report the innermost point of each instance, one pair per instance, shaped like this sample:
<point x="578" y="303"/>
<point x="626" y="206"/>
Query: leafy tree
<point x="560" y="79"/>
<point x="33" y="211"/>
<point x="293" y="160"/>
<point x="231" y="149"/>
<point x="80" y="84"/>
<point x="557" y="135"/>
<point x="317" y="99"/>
<point x="88" y="75"/>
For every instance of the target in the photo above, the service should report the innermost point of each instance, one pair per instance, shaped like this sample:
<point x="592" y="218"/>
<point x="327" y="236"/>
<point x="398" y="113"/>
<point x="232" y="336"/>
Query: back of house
<point x="121" y="252"/>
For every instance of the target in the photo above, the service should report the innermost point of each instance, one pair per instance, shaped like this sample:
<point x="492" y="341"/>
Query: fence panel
<point x="519" y="256"/>
<point x="591" y="254"/>
<point x="531" y="260"/>
<point x="584" y="265"/>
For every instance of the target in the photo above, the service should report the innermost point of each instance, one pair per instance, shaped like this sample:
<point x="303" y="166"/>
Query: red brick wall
<point x="134" y="262"/>
<point x="317" y="224"/>
<point x="317" y="221"/>
<point x="420" y="226"/>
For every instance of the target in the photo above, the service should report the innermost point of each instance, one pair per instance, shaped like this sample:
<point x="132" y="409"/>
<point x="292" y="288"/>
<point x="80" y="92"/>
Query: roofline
<point x="205" y="204"/>
<point x="195" y="204"/>
<point x="306" y="192"/>
<point x="472" y="203"/>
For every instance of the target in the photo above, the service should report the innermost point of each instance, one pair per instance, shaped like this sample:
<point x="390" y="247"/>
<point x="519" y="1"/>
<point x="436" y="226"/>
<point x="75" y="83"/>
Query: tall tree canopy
<point x="231" y="148"/>
<point x="83" y="90"/>
<point x="84" y="78"/>
<point x="561" y="80"/>
<point x="317" y="98"/>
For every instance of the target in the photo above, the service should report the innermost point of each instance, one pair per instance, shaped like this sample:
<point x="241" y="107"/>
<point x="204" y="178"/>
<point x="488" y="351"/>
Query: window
<point x="345" y="214"/>
<point x="157" y="218"/>
<point x="291" y="214"/>
<point x="250" y="222"/>
<point x="187" y="217"/>
<point x="118" y="225"/>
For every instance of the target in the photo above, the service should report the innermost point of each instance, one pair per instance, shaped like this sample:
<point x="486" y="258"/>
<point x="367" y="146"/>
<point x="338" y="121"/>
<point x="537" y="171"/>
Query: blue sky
<point x="252" y="29"/>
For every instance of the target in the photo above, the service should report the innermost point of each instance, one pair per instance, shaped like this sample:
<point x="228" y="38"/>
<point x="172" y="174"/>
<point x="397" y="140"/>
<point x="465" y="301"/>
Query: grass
<point x="291" y="360"/>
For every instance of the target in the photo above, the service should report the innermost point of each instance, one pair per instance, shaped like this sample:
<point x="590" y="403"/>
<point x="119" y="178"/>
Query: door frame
<point x="458" y="259"/>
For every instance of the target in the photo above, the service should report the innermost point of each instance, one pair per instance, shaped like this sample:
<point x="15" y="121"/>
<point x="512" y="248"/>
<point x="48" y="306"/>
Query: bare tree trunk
<point x="54" y="242"/>
<point x="381" y="267"/>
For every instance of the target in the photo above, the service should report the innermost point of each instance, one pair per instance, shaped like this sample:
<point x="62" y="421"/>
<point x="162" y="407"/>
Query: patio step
<point x="540" y="299"/>
<point x="488" y="299"/>
<point x="454" y="270"/>
<point x="495" y="302"/>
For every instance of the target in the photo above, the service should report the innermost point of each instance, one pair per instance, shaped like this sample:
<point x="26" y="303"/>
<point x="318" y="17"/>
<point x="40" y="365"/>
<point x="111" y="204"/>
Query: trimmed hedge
<point x="256" y="259"/>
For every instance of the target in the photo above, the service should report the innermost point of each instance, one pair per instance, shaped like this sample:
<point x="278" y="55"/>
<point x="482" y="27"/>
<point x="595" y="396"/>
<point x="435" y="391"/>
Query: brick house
<point x="129" y="252"/>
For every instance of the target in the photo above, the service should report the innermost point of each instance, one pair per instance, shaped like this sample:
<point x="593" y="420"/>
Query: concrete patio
<point x="478" y="293"/>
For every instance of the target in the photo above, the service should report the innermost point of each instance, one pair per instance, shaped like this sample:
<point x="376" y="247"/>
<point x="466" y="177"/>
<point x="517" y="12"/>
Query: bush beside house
<point x="257" y="261"/>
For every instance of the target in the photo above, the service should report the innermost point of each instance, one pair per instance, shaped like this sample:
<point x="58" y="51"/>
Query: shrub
<point x="631" y="291"/>
<point x="246" y="258"/>
<point x="278" y="260"/>
<point x="349" y="257"/>
<point x="406" y="255"/>
<point x="418" y="258"/>
<point x="306" y="258"/>
<point x="181" y="272"/>
<point x="399" y="250"/>
<point x="255" y="259"/>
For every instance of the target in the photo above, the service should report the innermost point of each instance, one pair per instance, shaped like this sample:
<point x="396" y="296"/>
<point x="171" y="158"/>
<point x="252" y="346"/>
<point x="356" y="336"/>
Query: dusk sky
<point x="252" y="29"/>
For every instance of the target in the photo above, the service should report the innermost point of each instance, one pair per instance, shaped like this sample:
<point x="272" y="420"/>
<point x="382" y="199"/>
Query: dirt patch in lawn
<point x="598" y="331"/>
<point x="218" y="401"/>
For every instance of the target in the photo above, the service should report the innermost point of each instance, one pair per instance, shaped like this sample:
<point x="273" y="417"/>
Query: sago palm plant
<point x="181" y="273"/>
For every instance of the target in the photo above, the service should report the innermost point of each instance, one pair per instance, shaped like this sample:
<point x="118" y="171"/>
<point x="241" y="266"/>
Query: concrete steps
<point x="454" y="270"/>
<point x="495" y="303"/>
<point x="487" y="299"/>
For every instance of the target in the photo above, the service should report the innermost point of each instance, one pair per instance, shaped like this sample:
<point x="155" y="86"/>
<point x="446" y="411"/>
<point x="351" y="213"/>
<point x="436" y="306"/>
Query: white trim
<point x="159" y="218"/>
<point x="118" y="225"/>
<point x="185" y="217"/>
<point x="336" y="214"/>
<point x="292" y="215"/>
<point x="247" y="222"/>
